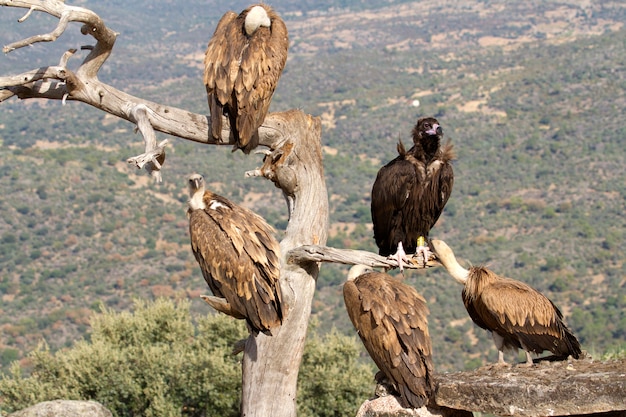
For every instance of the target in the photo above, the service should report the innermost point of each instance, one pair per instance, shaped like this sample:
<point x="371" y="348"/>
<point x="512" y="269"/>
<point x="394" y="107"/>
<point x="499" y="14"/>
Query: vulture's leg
<point x="499" y="342"/>
<point x="529" y="359"/>
<point x="384" y="386"/>
<point x="422" y="249"/>
<point x="400" y="257"/>
<point x="239" y="347"/>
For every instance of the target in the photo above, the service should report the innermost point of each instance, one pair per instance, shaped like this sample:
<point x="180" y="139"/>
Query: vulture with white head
<point x="242" y="64"/>
<point x="238" y="255"/>
<point x="391" y="319"/>
<point x="517" y="315"/>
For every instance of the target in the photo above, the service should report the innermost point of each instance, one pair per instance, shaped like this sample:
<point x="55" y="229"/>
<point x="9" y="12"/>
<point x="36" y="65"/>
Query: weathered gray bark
<point x="271" y="363"/>
<point x="318" y="253"/>
<point x="293" y="163"/>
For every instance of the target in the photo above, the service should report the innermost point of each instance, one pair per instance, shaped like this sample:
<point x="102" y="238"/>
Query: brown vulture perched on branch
<point x="391" y="320"/>
<point x="410" y="193"/>
<point x="242" y="64"/>
<point x="517" y="315"/>
<point x="239" y="258"/>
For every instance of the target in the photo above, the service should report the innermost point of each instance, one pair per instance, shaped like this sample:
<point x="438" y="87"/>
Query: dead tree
<point x="293" y="163"/>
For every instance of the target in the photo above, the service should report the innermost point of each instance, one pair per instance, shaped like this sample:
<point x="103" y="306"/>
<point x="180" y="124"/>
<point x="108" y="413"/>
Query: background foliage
<point x="531" y="94"/>
<point x="156" y="361"/>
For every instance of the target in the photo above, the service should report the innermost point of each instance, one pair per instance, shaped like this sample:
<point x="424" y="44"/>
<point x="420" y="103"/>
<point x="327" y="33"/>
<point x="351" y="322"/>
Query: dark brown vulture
<point x="238" y="256"/>
<point x="391" y="320"/>
<point x="517" y="315"/>
<point x="410" y="193"/>
<point x="242" y="64"/>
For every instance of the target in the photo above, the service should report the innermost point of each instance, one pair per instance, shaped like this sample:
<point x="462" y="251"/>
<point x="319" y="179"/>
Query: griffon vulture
<point x="242" y="64"/>
<point x="391" y="320"/>
<point x="410" y="193"/>
<point x="238" y="256"/>
<point x="517" y="315"/>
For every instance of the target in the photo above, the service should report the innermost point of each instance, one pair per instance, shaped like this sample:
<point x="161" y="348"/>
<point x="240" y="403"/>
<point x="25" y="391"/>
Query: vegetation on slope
<point x="157" y="361"/>
<point x="533" y="106"/>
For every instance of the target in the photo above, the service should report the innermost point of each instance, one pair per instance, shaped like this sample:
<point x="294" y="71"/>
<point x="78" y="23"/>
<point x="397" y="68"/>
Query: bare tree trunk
<point x="271" y="363"/>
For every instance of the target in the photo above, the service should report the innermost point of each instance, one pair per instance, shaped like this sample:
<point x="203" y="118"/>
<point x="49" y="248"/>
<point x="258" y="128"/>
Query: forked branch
<point x="59" y="82"/>
<point x="92" y="25"/>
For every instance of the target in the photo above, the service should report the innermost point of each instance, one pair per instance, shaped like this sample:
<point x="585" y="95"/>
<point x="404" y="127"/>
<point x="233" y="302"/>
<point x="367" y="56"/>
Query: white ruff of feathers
<point x="256" y="17"/>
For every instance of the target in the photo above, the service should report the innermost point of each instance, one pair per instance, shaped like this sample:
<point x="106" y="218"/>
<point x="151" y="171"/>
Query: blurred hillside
<point x="531" y="95"/>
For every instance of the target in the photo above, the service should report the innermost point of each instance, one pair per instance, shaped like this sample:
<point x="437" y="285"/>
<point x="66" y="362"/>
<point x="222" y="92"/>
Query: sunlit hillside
<point x="530" y="93"/>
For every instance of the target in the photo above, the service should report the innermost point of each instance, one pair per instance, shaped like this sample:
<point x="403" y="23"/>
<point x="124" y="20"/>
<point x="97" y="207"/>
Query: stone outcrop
<point x="570" y="388"/>
<point x="389" y="406"/>
<point x="64" y="408"/>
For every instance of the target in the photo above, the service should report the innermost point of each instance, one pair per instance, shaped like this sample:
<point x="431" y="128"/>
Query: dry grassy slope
<point x="429" y="29"/>
<point x="355" y="70"/>
<point x="389" y="28"/>
<point x="486" y="23"/>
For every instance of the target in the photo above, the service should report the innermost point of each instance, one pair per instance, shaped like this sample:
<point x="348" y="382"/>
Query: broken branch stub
<point x="154" y="156"/>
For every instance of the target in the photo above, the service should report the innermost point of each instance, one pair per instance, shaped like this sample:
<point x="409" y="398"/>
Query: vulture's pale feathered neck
<point x="358" y="270"/>
<point x="448" y="260"/>
<point x="256" y="17"/>
<point x="196" y="192"/>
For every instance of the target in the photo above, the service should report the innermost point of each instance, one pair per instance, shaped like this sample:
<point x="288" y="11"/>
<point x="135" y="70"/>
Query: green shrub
<point x="332" y="381"/>
<point x="150" y="363"/>
<point x="157" y="362"/>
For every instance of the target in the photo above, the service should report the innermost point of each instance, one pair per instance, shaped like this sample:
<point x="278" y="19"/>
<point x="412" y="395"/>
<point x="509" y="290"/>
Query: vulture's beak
<point x="436" y="130"/>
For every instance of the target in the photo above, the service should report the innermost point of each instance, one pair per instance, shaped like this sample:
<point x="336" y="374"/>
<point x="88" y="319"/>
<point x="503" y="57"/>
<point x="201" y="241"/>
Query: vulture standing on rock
<point x="517" y="315"/>
<point x="410" y="193"/>
<point x="239" y="258"/>
<point x="242" y="64"/>
<point x="391" y="320"/>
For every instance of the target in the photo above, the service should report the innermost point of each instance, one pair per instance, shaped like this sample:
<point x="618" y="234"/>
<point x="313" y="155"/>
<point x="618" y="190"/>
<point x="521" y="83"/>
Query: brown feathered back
<point x="391" y="320"/>
<point x="241" y="73"/>
<point x="523" y="316"/>
<point x="239" y="258"/>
